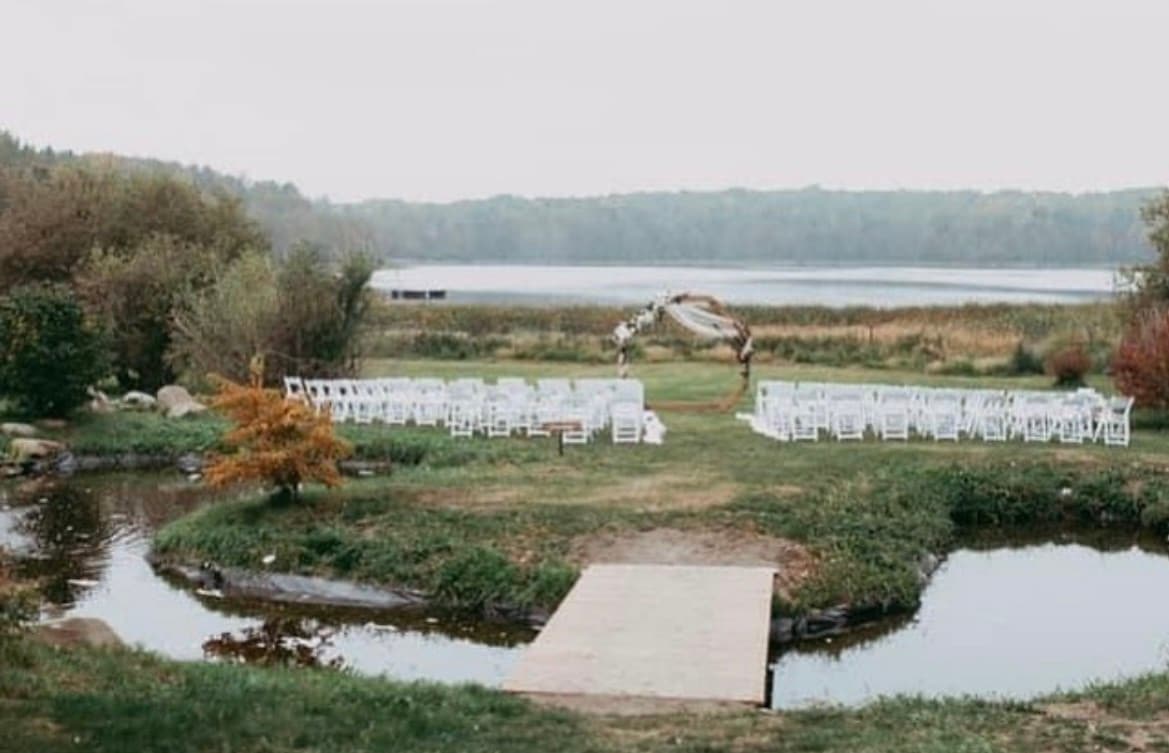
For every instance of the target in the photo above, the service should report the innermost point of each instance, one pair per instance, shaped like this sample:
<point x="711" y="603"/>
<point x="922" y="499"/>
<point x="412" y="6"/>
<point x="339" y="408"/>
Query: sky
<point x="440" y="100"/>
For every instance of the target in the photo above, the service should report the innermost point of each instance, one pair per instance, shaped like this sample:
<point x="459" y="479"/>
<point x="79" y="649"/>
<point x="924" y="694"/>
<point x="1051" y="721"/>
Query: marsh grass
<point x="983" y="338"/>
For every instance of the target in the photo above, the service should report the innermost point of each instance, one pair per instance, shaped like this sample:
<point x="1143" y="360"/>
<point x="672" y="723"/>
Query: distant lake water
<point x="823" y="286"/>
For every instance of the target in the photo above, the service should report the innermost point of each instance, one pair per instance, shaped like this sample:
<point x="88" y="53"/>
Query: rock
<point x="77" y="631"/>
<point x="926" y="566"/>
<point x="100" y="402"/>
<point x="65" y="464"/>
<point x="189" y="463"/>
<point x="23" y="450"/>
<point x="135" y="400"/>
<point x="18" y="430"/>
<point x="176" y="402"/>
<point x="53" y="424"/>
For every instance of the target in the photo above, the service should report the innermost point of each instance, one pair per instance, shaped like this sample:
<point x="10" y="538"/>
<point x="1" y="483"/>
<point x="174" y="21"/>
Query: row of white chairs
<point x="795" y="411"/>
<point x="578" y="409"/>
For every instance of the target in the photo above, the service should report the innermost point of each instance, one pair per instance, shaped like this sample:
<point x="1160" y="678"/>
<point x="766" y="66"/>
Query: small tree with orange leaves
<point x="281" y="441"/>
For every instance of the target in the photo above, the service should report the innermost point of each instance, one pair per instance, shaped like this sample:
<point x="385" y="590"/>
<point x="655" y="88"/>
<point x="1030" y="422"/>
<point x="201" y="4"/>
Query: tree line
<point x="806" y="226"/>
<point x="135" y="278"/>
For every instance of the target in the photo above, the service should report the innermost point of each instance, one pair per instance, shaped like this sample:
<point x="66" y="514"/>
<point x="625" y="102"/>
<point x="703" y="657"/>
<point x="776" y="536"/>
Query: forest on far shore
<point x="808" y="226"/>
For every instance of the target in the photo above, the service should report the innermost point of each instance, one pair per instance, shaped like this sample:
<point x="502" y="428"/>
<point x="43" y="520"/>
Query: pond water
<point x="88" y="539"/>
<point x="999" y="619"/>
<point x="775" y="285"/>
<point x="1008" y="622"/>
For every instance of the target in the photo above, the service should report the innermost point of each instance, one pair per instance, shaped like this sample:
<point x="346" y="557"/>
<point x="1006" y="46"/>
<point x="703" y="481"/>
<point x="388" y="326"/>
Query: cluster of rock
<point x="172" y="400"/>
<point x="29" y="452"/>
<point x="26" y="449"/>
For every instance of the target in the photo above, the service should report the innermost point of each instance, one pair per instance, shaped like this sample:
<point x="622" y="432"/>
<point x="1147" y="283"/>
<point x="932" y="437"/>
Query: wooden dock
<point x="661" y="631"/>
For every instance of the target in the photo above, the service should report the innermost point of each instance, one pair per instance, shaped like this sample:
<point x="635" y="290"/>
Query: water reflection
<point x="1009" y="621"/>
<point x="277" y="641"/>
<point x="89" y="537"/>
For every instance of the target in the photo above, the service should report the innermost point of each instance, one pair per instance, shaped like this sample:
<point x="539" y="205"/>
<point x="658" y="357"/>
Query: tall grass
<point x="971" y="339"/>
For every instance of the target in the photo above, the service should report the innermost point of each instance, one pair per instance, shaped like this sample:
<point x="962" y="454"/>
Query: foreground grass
<point x="114" y="701"/>
<point x="501" y="522"/>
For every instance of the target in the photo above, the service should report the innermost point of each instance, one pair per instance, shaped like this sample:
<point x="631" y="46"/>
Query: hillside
<point x="791" y="226"/>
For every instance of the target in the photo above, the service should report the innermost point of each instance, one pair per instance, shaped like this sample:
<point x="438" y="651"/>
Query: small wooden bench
<point x="558" y="428"/>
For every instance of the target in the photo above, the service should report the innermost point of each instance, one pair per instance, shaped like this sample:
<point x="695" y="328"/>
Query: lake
<point x="779" y="285"/>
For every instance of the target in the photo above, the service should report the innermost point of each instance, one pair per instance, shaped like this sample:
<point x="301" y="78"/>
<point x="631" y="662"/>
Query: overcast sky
<point x="447" y="99"/>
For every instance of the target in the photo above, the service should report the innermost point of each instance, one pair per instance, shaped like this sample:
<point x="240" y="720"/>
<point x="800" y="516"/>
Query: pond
<point x="770" y="285"/>
<point x="1005" y="619"/>
<point x="87" y="541"/>
<point x="999" y="620"/>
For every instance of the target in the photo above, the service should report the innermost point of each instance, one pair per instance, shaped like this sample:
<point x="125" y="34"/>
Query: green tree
<point x="321" y="312"/>
<point x="218" y="329"/>
<point x="135" y="294"/>
<point x="49" y="352"/>
<point x="1150" y="282"/>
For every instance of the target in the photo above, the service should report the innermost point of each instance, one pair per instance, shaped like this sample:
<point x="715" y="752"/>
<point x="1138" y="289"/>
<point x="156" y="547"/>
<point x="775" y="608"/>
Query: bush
<point x="135" y="294"/>
<point x="320" y="314"/>
<point x="299" y="315"/>
<point x="1069" y="365"/>
<point x="49" y="353"/>
<point x="1024" y="361"/>
<point x="1141" y="365"/>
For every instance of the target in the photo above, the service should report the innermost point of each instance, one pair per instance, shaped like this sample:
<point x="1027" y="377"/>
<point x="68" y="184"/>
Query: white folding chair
<point x="626" y="422"/>
<point x="944" y="412"/>
<point x="847" y="414"/>
<point x="992" y="422"/>
<point x="893" y="414"/>
<point x="1117" y="430"/>
<point x="294" y="389"/>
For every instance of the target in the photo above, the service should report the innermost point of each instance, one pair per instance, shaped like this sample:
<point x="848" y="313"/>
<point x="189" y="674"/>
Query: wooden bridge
<point x="662" y="631"/>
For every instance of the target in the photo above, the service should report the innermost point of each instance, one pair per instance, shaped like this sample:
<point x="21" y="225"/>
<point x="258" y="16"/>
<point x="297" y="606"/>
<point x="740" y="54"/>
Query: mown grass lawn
<point x="480" y="521"/>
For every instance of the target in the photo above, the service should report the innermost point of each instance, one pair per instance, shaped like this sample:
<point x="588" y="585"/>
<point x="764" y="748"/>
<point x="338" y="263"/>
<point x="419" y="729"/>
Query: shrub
<point x="49" y="353"/>
<point x="1141" y="365"/>
<point x="320" y="314"/>
<point x="1024" y="361"/>
<point x="301" y="316"/>
<point x="1069" y="365"/>
<point x="135" y="294"/>
<point x="218" y="330"/>
<point x="283" y="442"/>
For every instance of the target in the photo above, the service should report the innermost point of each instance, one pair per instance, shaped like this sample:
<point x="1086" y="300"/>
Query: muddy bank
<point x="237" y="583"/>
<point x="285" y="588"/>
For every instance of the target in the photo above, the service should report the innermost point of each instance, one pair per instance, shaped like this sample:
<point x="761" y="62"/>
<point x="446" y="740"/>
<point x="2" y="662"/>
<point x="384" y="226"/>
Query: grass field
<point x="53" y="701"/>
<point x="480" y="522"/>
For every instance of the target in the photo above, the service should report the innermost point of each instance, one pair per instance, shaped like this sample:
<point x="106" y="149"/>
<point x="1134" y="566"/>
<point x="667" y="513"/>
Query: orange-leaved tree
<point x="282" y="441"/>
